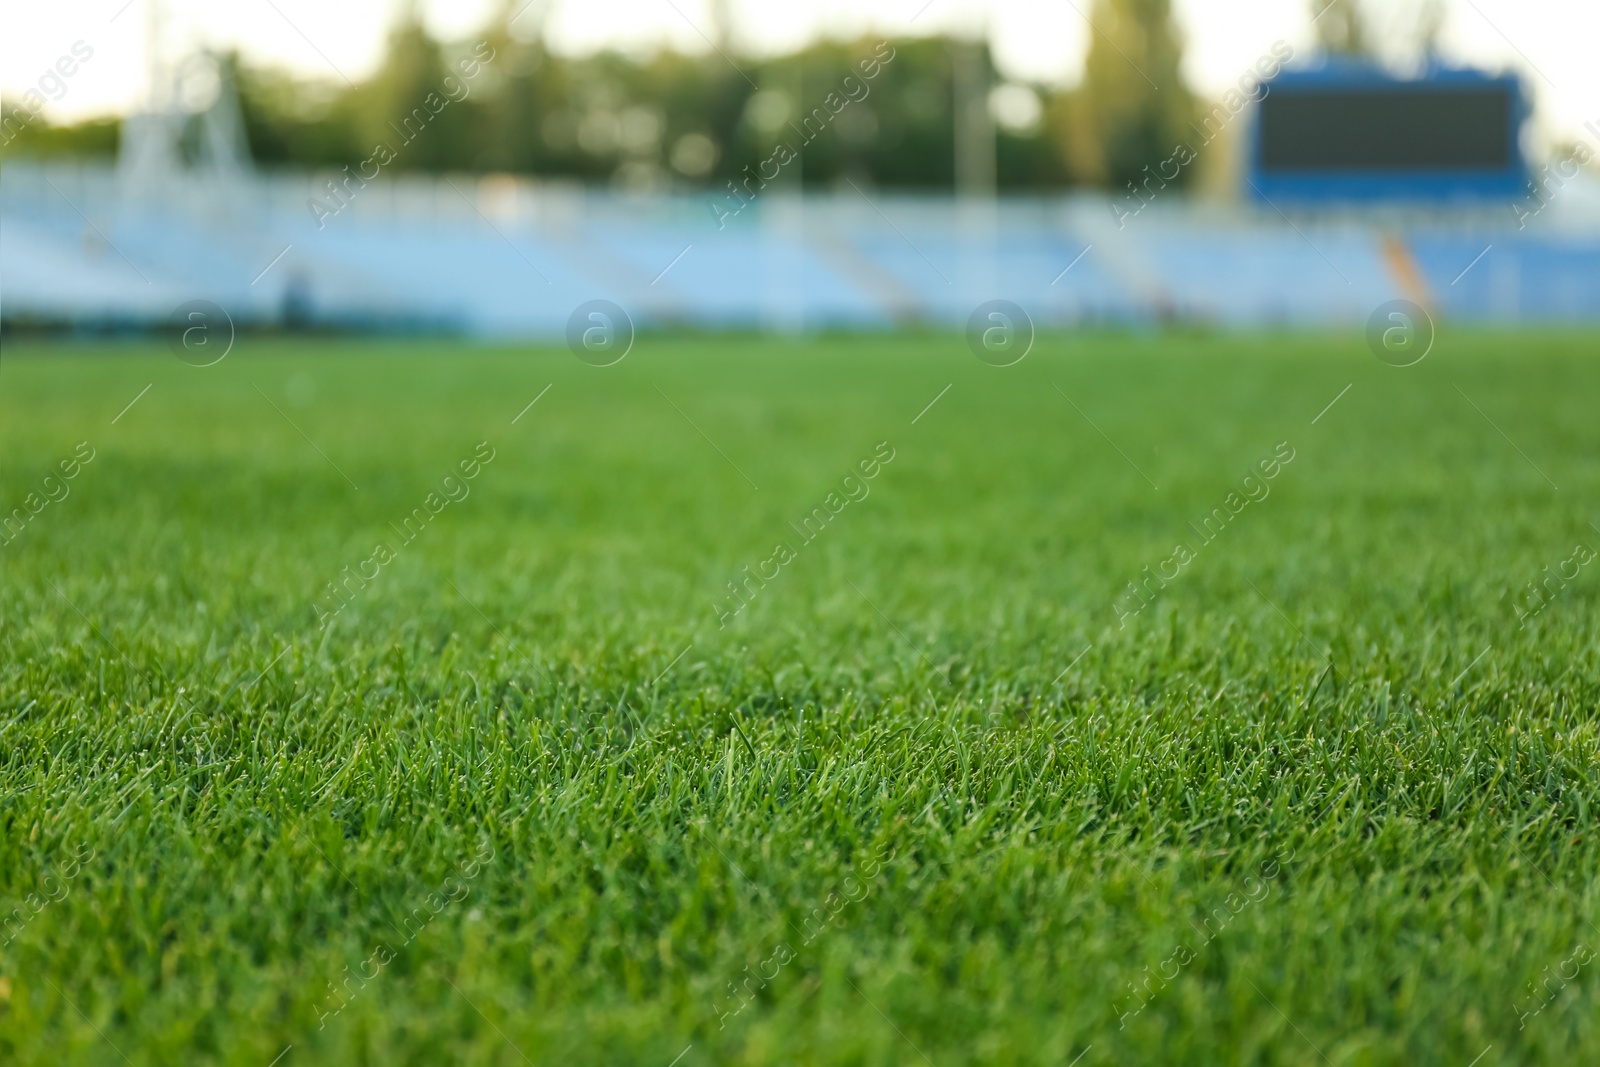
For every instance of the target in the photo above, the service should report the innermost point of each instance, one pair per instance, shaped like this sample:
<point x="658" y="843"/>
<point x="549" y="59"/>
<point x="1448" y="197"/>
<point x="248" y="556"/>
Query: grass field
<point x="938" y="788"/>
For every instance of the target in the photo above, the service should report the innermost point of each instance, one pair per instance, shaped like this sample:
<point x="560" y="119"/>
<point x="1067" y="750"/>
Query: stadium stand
<point x="498" y="257"/>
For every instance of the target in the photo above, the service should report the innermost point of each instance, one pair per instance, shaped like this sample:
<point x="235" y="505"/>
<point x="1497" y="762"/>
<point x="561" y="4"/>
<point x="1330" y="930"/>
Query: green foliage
<point x="647" y="123"/>
<point x="31" y="134"/>
<point x="1329" y="725"/>
<point x="1132" y="108"/>
<point x="1341" y="27"/>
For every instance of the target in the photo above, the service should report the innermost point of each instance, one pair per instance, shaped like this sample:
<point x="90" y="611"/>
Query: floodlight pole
<point x="974" y="163"/>
<point x="974" y="125"/>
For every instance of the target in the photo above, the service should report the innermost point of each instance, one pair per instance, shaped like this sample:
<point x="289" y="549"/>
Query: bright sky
<point x="1551" y="42"/>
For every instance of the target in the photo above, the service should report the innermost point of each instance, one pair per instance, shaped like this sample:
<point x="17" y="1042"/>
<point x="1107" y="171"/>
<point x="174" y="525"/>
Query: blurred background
<point x="484" y="168"/>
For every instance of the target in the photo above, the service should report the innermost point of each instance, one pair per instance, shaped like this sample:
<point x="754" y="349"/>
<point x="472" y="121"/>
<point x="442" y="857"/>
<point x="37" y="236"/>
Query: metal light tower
<point x="151" y="155"/>
<point x="975" y="166"/>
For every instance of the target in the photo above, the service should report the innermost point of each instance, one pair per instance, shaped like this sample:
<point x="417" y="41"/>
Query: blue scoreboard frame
<point x="1395" y="183"/>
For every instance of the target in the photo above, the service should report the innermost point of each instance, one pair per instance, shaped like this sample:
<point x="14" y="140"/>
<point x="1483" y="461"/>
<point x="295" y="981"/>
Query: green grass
<point x="927" y="736"/>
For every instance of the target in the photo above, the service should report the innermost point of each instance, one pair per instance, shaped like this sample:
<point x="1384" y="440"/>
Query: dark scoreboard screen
<point x="1369" y="137"/>
<point x="1367" y="129"/>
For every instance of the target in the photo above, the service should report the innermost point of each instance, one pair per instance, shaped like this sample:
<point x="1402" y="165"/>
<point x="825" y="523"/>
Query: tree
<point x="396" y="106"/>
<point x="1132" y="107"/>
<point x="1402" y="34"/>
<point x="1340" y="27"/>
<point x="873" y="111"/>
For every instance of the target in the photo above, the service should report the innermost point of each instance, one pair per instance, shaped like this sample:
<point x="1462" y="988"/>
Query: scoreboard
<point x="1349" y="132"/>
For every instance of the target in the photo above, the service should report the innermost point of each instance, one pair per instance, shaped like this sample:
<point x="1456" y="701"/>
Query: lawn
<point x="836" y="701"/>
